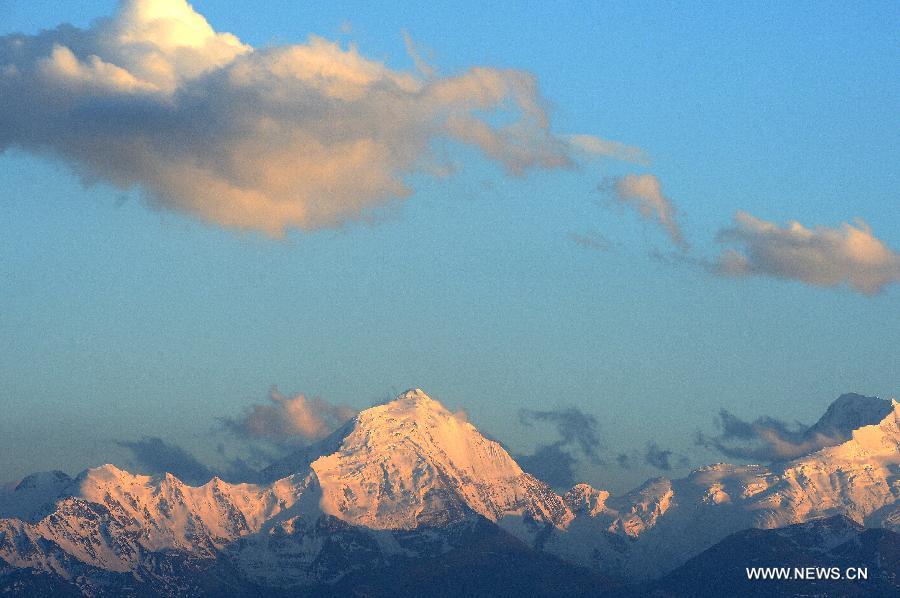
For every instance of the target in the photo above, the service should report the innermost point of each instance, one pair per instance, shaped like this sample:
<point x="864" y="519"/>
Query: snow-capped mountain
<point x="407" y="465"/>
<point x="412" y="463"/>
<point x="409" y="482"/>
<point x="660" y="525"/>
<point x="25" y="498"/>
<point x="849" y="412"/>
<point x="109" y="518"/>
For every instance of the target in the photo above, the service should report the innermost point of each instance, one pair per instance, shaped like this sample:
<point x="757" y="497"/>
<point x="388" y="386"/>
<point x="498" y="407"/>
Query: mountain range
<point x="408" y="498"/>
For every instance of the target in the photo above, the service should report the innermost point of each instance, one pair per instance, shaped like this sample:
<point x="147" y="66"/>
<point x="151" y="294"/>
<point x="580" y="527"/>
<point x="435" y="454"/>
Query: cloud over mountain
<point x="156" y="456"/>
<point x="574" y="427"/>
<point x="765" y="439"/>
<point x="770" y="439"/>
<point x="289" y="420"/>
<point x="554" y="461"/>
<point x="663" y="458"/>
<point x="299" y="136"/>
<point x="821" y="256"/>
<point x="551" y="463"/>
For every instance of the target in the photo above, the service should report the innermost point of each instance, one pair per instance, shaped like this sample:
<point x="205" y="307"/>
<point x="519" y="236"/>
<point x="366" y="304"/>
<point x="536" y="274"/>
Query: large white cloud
<point x="827" y="257"/>
<point x="300" y="136"/>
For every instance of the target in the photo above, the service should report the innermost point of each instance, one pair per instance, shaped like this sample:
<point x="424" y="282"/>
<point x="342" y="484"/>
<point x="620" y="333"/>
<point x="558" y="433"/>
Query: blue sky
<point x="120" y="319"/>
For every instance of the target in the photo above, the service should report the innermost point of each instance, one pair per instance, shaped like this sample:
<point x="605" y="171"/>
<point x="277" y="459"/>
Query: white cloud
<point x="822" y="256"/>
<point x="613" y="149"/>
<point x="644" y="194"/>
<point x="301" y="136"/>
<point x="296" y="419"/>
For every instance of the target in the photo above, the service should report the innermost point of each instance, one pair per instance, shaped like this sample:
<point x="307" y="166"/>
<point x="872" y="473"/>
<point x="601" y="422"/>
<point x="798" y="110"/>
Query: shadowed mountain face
<point x="849" y="412"/>
<point x="410" y="499"/>
<point x="823" y="544"/>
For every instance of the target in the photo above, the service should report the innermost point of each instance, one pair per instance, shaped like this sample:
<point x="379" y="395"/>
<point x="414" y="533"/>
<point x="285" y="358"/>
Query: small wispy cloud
<point x="593" y="145"/>
<point x="289" y="420"/>
<point x="828" y="257"/>
<point x="415" y="53"/>
<point x="663" y="459"/>
<point x="591" y="240"/>
<point x="653" y="455"/>
<point x="643" y="193"/>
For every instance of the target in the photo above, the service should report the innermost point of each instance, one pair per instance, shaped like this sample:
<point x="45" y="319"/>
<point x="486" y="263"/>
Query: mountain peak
<point x="413" y="406"/>
<point x="414" y="394"/>
<point x="414" y="399"/>
<point x="882" y="438"/>
<point x="412" y="462"/>
<point x="28" y="496"/>
<point x="849" y="412"/>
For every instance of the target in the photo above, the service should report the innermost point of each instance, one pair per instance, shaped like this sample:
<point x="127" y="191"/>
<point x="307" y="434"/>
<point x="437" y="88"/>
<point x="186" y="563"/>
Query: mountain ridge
<point x="395" y="485"/>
